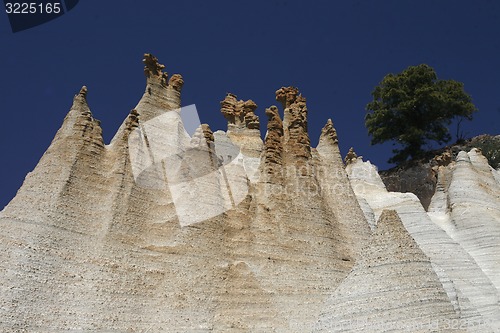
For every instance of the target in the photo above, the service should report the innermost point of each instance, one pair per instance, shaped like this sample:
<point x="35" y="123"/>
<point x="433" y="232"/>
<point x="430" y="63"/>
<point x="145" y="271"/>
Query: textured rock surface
<point x="420" y="176"/>
<point x="419" y="179"/>
<point x="391" y="258"/>
<point x="85" y="246"/>
<point x="90" y="245"/>
<point x="239" y="114"/>
<point x="470" y="287"/>
<point x="467" y="206"/>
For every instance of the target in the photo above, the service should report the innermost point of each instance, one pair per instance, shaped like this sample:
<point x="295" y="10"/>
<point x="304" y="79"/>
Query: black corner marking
<point x="27" y="14"/>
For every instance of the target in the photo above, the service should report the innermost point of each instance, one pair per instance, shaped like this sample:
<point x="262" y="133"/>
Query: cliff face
<point x="162" y="231"/>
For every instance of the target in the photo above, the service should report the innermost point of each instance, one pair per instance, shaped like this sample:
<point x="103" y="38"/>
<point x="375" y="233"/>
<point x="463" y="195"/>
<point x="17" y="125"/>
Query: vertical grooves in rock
<point x="334" y="184"/>
<point x="273" y="147"/>
<point x="391" y="258"/>
<point x="461" y="276"/>
<point x="224" y="232"/>
<point x="475" y="211"/>
<point x="77" y="145"/>
<point x="296" y="139"/>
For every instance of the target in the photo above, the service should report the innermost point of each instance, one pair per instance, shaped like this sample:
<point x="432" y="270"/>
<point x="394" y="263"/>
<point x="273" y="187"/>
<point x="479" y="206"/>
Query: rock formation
<point x="468" y="276"/>
<point x="239" y="114"/>
<point x="391" y="258"/>
<point x="273" y="146"/>
<point x="419" y="176"/>
<point x="295" y="124"/>
<point x="160" y="231"/>
<point x="351" y="156"/>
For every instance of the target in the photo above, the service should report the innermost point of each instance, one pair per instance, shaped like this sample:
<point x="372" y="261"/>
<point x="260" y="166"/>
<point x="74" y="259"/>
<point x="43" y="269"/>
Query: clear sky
<point x="334" y="51"/>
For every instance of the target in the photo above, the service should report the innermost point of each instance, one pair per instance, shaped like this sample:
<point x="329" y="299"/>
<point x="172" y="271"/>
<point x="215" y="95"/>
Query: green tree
<point x="414" y="107"/>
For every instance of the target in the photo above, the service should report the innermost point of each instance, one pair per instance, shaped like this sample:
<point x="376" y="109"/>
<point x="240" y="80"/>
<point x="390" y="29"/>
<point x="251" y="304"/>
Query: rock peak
<point x="288" y="96"/>
<point x="152" y="66"/>
<point x="296" y="137"/>
<point x="351" y="156"/>
<point x="239" y="114"/>
<point x="80" y="101"/>
<point x="329" y="132"/>
<point x="153" y="69"/>
<point x="162" y="94"/>
<point x="203" y="137"/>
<point x="273" y="144"/>
<point x="176" y="82"/>
<point x="83" y="92"/>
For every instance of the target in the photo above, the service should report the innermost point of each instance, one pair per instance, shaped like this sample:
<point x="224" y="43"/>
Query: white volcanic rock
<point x="467" y="206"/>
<point x="468" y="286"/>
<point x="162" y="231"/>
<point x="95" y="239"/>
<point x="368" y="299"/>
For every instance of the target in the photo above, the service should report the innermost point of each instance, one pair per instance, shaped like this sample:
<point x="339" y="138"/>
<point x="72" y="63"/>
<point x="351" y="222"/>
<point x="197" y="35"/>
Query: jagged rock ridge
<point x="90" y="244"/>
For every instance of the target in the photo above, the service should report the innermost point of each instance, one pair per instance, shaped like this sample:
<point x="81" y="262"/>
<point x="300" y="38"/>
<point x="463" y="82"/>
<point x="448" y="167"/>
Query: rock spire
<point x="239" y="114"/>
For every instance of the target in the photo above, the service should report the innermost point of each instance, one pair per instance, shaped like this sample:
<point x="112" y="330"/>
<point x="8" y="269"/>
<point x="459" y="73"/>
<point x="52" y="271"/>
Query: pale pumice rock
<point x="243" y="131"/>
<point x="467" y="206"/>
<point x="95" y="239"/>
<point x="468" y="286"/>
<point x="391" y="258"/>
<point x="163" y="231"/>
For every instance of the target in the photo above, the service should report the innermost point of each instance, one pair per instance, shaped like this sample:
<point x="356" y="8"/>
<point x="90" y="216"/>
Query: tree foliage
<point x="414" y="107"/>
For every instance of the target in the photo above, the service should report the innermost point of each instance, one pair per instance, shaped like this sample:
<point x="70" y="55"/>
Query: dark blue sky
<point x="334" y="51"/>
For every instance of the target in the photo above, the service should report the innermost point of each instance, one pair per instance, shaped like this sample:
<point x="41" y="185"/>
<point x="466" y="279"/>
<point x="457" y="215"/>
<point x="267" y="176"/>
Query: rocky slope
<point x="162" y="231"/>
<point x="419" y="176"/>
